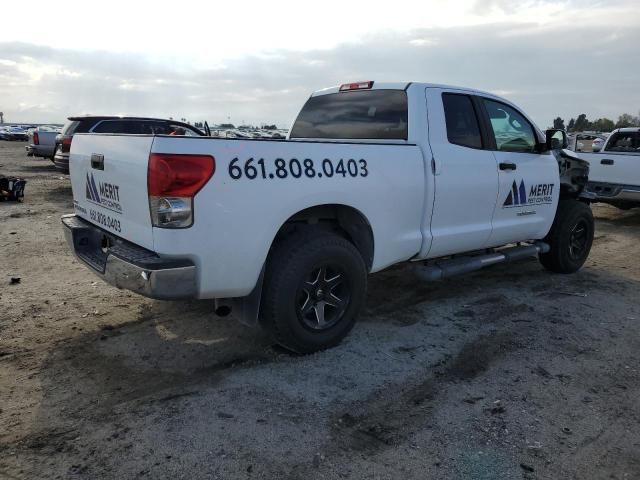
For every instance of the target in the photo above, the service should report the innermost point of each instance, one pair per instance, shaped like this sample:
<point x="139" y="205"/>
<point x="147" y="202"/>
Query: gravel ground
<point x="511" y="372"/>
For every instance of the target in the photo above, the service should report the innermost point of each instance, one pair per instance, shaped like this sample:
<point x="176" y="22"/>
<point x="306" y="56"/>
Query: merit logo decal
<point x="92" y="191"/>
<point x="540" y="194"/>
<point x="107" y="195"/>
<point x="517" y="196"/>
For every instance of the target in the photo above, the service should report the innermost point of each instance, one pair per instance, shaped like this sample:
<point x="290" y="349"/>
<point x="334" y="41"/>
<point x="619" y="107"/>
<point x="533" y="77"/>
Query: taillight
<point x="66" y="143"/>
<point x="36" y="138"/>
<point x="172" y="182"/>
<point x="356" y="86"/>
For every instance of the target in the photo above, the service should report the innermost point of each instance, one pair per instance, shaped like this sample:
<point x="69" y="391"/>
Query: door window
<point x="461" y="119"/>
<point x="513" y="133"/>
<point x="624" y="142"/>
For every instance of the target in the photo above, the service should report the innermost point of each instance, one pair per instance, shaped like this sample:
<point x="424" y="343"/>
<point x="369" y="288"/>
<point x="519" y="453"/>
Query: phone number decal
<point x="294" y="168"/>
<point x="105" y="220"/>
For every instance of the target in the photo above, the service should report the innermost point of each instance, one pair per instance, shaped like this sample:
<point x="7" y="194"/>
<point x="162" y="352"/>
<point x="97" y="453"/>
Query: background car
<point x="42" y="141"/>
<point x="14" y="133"/>
<point x="112" y="124"/>
<point x="598" y="143"/>
<point x="585" y="142"/>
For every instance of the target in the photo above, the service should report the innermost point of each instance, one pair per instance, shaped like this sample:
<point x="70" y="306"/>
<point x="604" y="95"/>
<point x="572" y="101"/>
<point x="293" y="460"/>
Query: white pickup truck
<point x="614" y="172"/>
<point x="42" y="142"/>
<point x="286" y="231"/>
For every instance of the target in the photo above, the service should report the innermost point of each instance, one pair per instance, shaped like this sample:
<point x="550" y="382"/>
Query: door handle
<point x="606" y="161"/>
<point x="507" y="166"/>
<point x="97" y="161"/>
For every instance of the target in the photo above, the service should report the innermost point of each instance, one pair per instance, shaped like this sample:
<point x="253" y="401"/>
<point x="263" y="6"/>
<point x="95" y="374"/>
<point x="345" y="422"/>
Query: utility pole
<point x="1" y="117"/>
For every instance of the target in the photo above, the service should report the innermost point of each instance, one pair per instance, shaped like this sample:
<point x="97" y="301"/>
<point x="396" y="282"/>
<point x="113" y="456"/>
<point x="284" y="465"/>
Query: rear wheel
<point x="315" y="285"/>
<point x="570" y="237"/>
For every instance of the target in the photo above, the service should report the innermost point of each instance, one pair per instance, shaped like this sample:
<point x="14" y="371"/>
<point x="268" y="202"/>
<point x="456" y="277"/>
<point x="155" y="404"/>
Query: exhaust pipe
<point x="222" y="306"/>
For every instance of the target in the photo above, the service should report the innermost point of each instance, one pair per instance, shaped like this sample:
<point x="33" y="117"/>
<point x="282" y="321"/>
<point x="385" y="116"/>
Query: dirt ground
<point x="509" y="373"/>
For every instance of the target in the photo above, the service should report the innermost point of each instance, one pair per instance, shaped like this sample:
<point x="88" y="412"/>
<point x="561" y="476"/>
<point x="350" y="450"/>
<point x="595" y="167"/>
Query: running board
<point x="439" y="269"/>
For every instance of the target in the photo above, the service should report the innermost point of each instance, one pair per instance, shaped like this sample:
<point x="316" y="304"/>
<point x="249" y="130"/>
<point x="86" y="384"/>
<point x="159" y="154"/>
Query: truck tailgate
<point x="109" y="183"/>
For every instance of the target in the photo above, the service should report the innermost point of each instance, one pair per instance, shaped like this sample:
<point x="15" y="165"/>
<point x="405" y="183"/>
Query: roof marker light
<point x="345" y="87"/>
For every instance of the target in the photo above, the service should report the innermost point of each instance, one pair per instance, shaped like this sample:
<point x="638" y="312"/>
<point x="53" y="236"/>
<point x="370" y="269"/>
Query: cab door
<point x="529" y="184"/>
<point x="465" y="173"/>
<point x="619" y="161"/>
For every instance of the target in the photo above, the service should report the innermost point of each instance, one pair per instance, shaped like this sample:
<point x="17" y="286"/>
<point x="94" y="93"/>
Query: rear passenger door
<point x="466" y="178"/>
<point x="529" y="181"/>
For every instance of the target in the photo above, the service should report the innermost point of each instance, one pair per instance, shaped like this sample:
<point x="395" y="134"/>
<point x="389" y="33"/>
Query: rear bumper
<point x="129" y="266"/>
<point x="612" y="192"/>
<point x="41" y="151"/>
<point x="61" y="162"/>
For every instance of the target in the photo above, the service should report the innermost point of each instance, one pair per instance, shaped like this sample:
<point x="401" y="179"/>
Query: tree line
<point x="582" y="124"/>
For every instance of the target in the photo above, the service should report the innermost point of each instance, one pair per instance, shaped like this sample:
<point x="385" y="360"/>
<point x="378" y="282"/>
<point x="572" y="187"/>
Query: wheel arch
<point x="344" y="219"/>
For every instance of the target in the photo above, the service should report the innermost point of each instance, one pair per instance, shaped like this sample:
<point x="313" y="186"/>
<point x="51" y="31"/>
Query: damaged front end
<point x="574" y="174"/>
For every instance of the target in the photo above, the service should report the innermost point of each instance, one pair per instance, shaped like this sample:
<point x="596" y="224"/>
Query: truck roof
<point x="403" y="86"/>
<point x="373" y="85"/>
<point x="627" y="129"/>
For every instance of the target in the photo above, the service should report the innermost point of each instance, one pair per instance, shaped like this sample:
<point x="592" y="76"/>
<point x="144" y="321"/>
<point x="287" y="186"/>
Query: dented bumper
<point x="129" y="266"/>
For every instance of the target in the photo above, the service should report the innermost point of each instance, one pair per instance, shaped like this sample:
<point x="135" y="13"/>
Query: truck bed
<point x="256" y="187"/>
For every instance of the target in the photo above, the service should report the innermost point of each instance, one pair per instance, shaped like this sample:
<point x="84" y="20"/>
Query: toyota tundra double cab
<point x="285" y="232"/>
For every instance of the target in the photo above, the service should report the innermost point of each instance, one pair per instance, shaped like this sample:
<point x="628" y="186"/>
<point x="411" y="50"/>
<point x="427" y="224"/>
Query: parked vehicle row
<point x="587" y="141"/>
<point x="286" y="231"/>
<point x="244" y="133"/>
<point x="13" y="133"/>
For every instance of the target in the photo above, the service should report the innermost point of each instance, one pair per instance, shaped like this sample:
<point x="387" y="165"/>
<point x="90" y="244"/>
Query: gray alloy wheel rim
<point x="578" y="239"/>
<point x="323" y="298"/>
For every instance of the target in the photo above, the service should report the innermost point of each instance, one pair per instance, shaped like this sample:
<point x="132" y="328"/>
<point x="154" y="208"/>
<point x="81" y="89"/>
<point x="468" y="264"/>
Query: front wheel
<point x="570" y="237"/>
<point x="315" y="286"/>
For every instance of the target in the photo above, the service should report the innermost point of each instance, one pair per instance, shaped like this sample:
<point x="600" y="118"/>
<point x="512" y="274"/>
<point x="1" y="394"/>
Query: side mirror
<point x="556" y="139"/>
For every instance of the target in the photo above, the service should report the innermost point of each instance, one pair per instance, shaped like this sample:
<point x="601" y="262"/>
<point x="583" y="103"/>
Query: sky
<point x="257" y="61"/>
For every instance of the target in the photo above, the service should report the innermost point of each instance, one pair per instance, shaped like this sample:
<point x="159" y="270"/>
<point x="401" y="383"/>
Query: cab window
<point x="118" y="126"/>
<point x="461" y="120"/>
<point x="361" y="114"/>
<point x="624" y="142"/>
<point x="512" y="132"/>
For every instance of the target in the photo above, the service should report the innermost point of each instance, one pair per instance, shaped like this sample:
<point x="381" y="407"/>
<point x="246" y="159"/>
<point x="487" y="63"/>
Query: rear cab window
<point x="354" y="115"/>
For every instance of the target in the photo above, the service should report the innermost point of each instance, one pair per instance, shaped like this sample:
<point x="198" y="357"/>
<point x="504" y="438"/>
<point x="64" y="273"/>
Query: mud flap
<point x="247" y="308"/>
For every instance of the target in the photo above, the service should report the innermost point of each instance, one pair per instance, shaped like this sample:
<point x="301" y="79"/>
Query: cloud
<point x="563" y="68"/>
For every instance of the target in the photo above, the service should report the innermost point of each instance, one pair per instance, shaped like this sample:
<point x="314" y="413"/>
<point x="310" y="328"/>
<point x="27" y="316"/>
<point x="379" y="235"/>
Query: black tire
<point x="294" y="277"/>
<point x="570" y="237"/>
